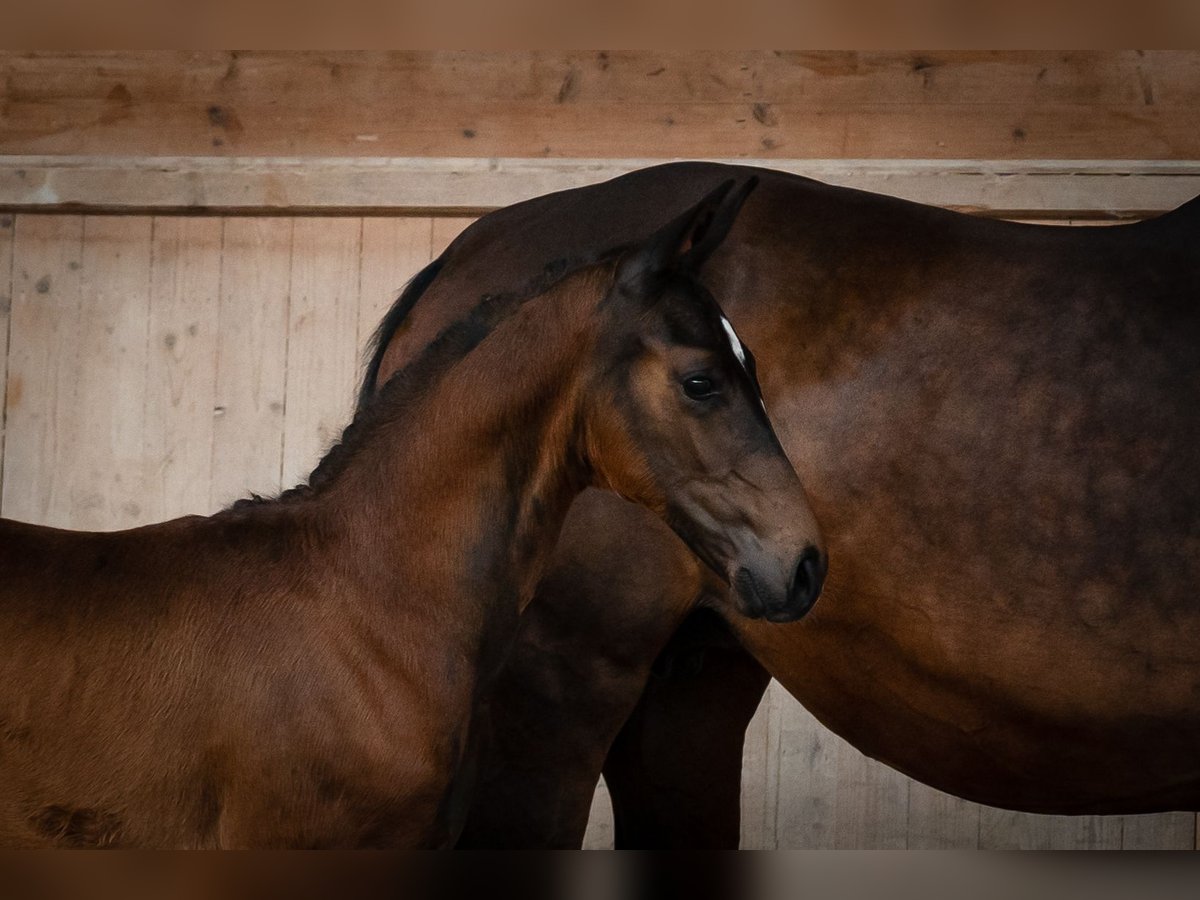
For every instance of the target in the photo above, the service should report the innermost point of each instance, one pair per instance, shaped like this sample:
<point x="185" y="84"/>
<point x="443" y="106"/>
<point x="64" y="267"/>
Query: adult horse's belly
<point x="1012" y="504"/>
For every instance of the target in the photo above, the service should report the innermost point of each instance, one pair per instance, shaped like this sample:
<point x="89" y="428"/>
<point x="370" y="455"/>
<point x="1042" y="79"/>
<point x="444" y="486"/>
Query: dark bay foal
<point x="304" y="671"/>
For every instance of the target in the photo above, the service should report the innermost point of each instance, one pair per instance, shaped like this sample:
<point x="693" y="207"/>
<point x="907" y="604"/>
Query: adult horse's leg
<point x="601" y="617"/>
<point x="675" y="770"/>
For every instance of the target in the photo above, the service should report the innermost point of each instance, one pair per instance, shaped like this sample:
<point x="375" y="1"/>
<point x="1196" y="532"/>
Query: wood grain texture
<point x="871" y="809"/>
<point x="808" y="779"/>
<point x="79" y="347"/>
<point x="760" y="772"/>
<point x="322" y="348"/>
<point x="962" y="104"/>
<point x="446" y="230"/>
<point x="181" y="369"/>
<point x="248" y="416"/>
<point x="44" y="325"/>
<point x="939" y="821"/>
<point x="393" y="251"/>
<point x="418" y="186"/>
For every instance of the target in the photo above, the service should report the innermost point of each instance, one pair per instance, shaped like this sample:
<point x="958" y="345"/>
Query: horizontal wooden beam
<point x="356" y="186"/>
<point x="621" y="104"/>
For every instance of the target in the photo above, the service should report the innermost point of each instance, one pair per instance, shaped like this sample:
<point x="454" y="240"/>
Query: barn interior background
<point x="194" y="248"/>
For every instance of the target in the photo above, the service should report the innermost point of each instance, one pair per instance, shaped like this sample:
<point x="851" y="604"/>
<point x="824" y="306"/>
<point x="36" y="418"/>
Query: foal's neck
<point x="463" y="487"/>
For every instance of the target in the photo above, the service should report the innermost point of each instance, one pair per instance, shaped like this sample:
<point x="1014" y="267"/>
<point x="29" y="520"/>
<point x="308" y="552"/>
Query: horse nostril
<point x="807" y="582"/>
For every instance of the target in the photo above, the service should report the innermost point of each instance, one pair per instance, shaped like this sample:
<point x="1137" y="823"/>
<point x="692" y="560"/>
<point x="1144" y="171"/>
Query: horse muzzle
<point x="785" y="603"/>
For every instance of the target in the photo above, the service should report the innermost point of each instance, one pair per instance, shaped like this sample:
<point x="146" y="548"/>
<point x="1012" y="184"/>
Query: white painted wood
<point x="1014" y="188"/>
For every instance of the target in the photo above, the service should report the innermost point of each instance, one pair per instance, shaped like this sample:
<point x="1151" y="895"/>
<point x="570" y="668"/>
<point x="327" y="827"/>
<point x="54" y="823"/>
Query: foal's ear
<point x="684" y="243"/>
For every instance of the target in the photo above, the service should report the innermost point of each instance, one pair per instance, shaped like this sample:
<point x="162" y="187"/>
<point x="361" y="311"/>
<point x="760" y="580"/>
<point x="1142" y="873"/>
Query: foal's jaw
<point x="766" y="546"/>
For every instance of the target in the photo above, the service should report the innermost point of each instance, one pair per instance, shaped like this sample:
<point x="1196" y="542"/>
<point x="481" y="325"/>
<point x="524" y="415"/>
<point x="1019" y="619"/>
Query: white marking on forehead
<point x="738" y="350"/>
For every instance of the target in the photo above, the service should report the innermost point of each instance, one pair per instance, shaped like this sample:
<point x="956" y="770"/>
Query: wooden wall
<point x="167" y="365"/>
<point x="943" y="105"/>
<point x="153" y="365"/>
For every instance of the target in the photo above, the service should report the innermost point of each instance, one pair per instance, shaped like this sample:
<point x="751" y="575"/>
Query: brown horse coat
<point x="999" y="427"/>
<point x="305" y="671"/>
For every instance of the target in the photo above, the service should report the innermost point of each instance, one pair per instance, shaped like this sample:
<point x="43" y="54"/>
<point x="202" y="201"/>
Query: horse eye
<point x="698" y="387"/>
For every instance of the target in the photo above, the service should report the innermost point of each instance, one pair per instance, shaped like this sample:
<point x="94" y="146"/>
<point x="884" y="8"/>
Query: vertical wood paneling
<point x="181" y="369"/>
<point x="939" y="821"/>
<point x="44" y="323"/>
<point x="445" y="230"/>
<point x="1002" y="829"/>
<point x="77" y="373"/>
<point x="758" y="810"/>
<point x="322" y="350"/>
<point x="808" y="783"/>
<point x="108" y="491"/>
<point x="599" y="834"/>
<point x="251" y="358"/>
<point x="872" y="804"/>
<point x="1167" y="831"/>
<point x="1006" y="830"/>
<point x="6" y="286"/>
<point x="393" y="251"/>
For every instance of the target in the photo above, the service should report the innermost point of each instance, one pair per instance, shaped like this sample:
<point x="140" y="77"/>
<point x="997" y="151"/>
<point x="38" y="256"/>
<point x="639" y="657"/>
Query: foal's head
<point x="677" y="422"/>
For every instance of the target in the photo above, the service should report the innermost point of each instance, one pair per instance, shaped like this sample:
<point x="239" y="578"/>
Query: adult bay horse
<point x="998" y="426"/>
<point x="304" y="671"/>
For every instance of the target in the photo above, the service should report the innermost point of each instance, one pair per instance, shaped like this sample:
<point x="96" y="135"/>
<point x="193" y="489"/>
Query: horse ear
<point x="684" y="243"/>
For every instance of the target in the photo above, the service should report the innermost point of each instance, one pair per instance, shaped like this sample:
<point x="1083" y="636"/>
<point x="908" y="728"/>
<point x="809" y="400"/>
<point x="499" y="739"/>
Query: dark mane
<point x="392" y="320"/>
<point x="377" y="409"/>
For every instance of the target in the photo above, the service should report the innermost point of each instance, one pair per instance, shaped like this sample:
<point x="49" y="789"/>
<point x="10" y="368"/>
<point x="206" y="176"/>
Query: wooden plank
<point x="940" y="821"/>
<point x="185" y="290"/>
<point x="1003" y="829"/>
<point x="446" y="230"/>
<point x="322" y="360"/>
<point x="1009" y="830"/>
<point x="393" y="251"/>
<point x="109" y="489"/>
<point x="872" y="804"/>
<point x="44" y="325"/>
<point x="808" y="780"/>
<point x="731" y="103"/>
<point x="343" y="186"/>
<point x="599" y="834"/>
<point x="760" y="773"/>
<point x="76" y="390"/>
<point x="252" y="333"/>
<point x="1086" y="832"/>
<point x="6" y="289"/>
<point x="1166" y="831"/>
